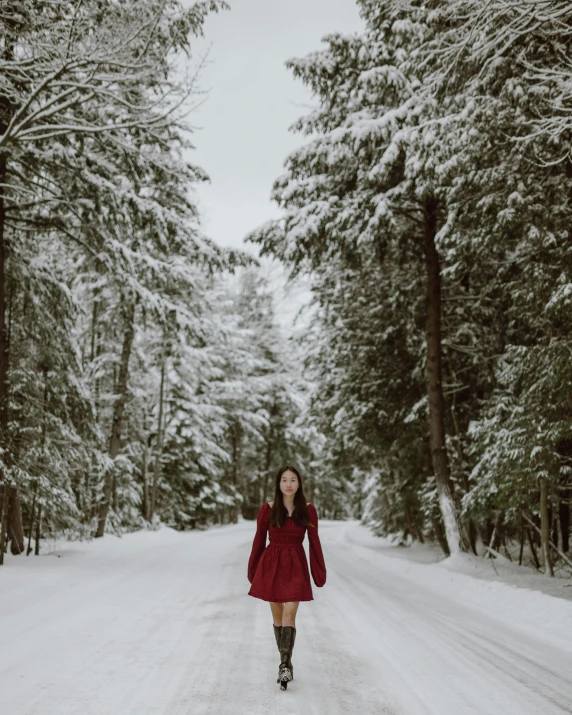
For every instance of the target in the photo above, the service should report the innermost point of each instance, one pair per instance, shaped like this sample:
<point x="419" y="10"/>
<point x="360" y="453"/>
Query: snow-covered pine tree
<point x="359" y="182"/>
<point x="90" y="135"/>
<point x="234" y="409"/>
<point x="506" y="161"/>
<point x="262" y="392"/>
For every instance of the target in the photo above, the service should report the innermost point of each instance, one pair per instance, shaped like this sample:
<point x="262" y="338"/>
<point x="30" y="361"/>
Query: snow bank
<point x="542" y="615"/>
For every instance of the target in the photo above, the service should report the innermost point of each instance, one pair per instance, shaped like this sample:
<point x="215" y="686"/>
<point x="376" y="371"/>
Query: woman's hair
<point x="279" y="513"/>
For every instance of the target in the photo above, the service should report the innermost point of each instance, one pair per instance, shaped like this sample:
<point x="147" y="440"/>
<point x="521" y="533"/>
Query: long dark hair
<point x="279" y="513"/>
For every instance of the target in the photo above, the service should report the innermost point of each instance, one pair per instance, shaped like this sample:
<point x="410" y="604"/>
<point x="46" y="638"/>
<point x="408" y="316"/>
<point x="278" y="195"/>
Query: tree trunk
<point x="93" y="330"/>
<point x="440" y="535"/>
<point x="95" y="349"/>
<point x="158" y="443"/>
<point x="456" y="539"/>
<point x="274" y="412"/>
<point x="498" y="532"/>
<point x="564" y="514"/>
<point x="237" y="435"/>
<point x="4" y="519"/>
<point x="144" y="475"/>
<point x="32" y="515"/>
<point x="16" y="527"/>
<point x="545" y="528"/>
<point x="15" y="523"/>
<point x="38" y="531"/>
<point x="554" y="525"/>
<point x="532" y="548"/>
<point x="267" y="464"/>
<point x="6" y="113"/>
<point x="117" y="422"/>
<point x="471" y="527"/>
<point x="4" y="349"/>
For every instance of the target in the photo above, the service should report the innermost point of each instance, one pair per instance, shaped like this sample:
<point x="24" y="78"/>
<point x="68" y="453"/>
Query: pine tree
<point x="360" y="182"/>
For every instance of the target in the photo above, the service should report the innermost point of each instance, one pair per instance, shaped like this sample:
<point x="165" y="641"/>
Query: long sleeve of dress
<point x="259" y="543"/>
<point x="317" y="564"/>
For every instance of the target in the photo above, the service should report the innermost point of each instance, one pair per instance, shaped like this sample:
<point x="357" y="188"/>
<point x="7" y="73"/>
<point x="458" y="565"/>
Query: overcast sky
<point x="242" y="136"/>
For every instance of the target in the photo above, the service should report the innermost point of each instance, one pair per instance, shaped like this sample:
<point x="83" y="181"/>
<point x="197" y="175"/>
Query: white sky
<point x="242" y="137"/>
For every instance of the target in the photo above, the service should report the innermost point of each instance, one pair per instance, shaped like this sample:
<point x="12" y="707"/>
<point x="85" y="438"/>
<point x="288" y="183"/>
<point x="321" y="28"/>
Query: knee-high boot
<point x="277" y="634"/>
<point x="286" y="645"/>
<point x="290" y="653"/>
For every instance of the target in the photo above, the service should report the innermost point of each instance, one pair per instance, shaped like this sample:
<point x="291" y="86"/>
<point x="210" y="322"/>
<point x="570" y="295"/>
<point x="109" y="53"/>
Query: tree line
<point x="142" y="372"/>
<point x="143" y="376"/>
<point x="430" y="204"/>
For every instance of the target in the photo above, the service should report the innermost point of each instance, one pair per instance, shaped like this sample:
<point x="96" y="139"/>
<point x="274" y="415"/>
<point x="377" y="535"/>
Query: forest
<point x="144" y="378"/>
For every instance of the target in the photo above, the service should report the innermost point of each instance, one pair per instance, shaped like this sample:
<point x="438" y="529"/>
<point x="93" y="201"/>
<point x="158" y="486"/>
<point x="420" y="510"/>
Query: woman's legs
<point x="289" y="614"/>
<point x="284" y="614"/>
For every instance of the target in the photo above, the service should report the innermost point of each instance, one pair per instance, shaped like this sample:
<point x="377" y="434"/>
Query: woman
<point x="279" y="572"/>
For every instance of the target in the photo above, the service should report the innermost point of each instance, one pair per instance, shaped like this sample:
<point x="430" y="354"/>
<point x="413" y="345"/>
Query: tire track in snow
<point x="238" y="674"/>
<point x="456" y="646"/>
<point x="168" y="629"/>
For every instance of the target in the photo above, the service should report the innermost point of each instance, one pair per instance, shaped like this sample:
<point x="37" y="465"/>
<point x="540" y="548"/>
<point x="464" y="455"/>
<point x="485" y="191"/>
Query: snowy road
<point x="160" y="623"/>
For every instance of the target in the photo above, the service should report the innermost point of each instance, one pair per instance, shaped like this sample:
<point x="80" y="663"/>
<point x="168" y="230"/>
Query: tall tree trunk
<point x="15" y="523"/>
<point x="4" y="518"/>
<point x="564" y="514"/>
<point x="42" y="449"/>
<point x="237" y="434"/>
<point x="5" y="116"/>
<point x="455" y="536"/>
<point x="4" y="348"/>
<point x="93" y="330"/>
<point x="4" y="354"/>
<point x="235" y="452"/>
<point x="38" y="531"/>
<point x="545" y="528"/>
<point x="440" y="536"/>
<point x="269" y="455"/>
<point x="555" y="525"/>
<point x="32" y="517"/>
<point x="158" y="443"/>
<point x="117" y="422"/>
<point x="146" y="506"/>
<point x="471" y="533"/>
<point x="311" y="488"/>
<point x="16" y="527"/>
<point x="95" y="348"/>
<point x="532" y="548"/>
<point x="267" y="463"/>
<point x="274" y="412"/>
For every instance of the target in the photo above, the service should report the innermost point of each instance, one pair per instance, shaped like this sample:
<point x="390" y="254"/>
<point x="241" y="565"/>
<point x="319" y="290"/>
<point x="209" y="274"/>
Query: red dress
<point x="279" y="572"/>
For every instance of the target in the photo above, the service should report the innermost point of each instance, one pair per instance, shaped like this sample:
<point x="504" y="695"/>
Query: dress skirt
<point x="279" y="571"/>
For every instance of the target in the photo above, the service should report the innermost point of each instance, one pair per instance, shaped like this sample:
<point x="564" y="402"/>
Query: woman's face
<point x="289" y="483"/>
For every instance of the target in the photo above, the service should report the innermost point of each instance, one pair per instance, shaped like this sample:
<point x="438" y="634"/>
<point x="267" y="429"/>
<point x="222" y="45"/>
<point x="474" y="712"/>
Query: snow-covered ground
<point x="161" y="623"/>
